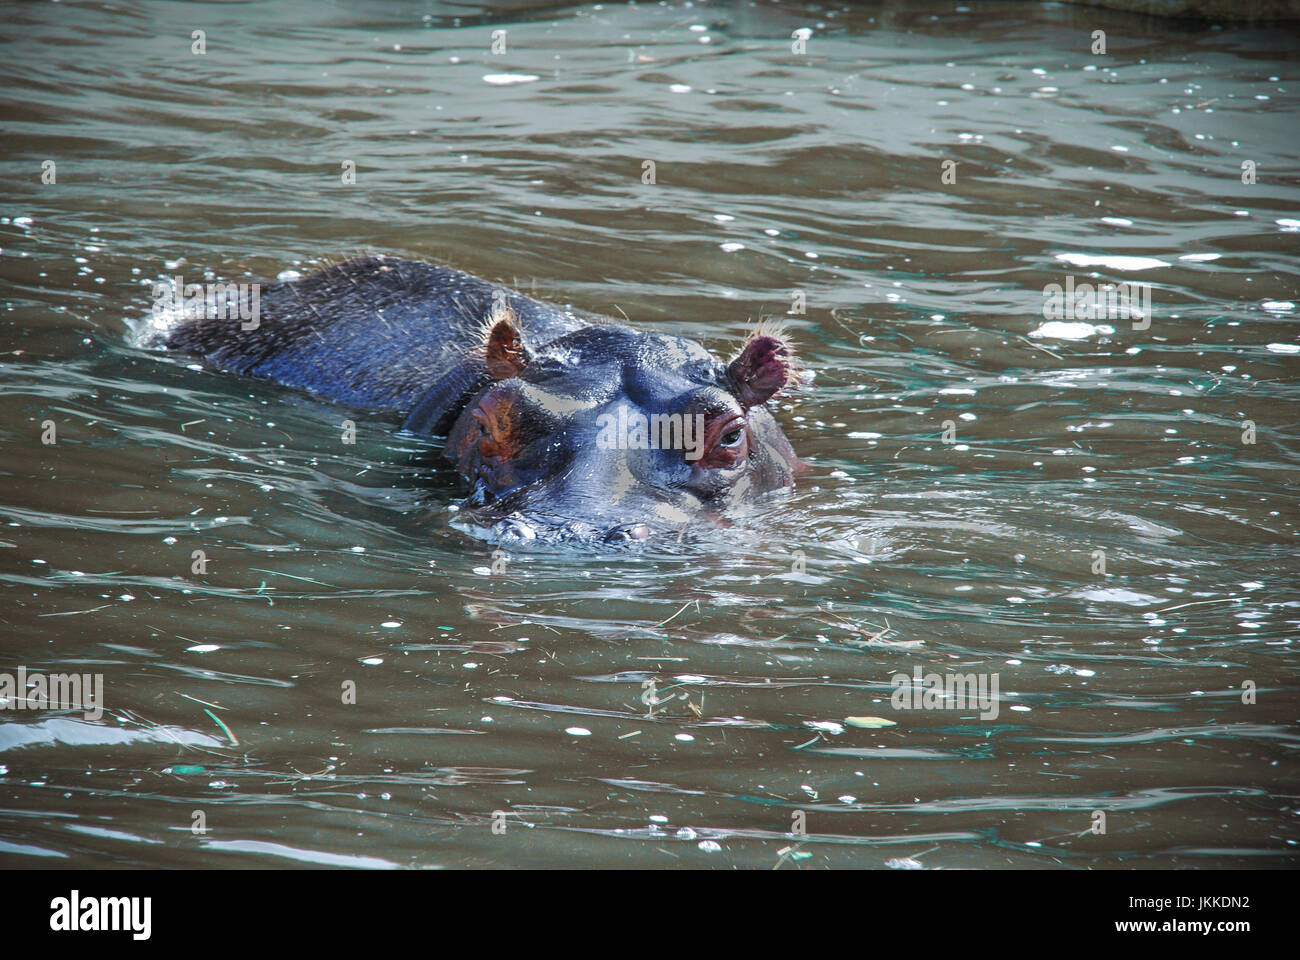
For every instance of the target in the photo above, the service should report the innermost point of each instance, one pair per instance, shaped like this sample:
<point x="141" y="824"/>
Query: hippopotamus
<point x="563" y="426"/>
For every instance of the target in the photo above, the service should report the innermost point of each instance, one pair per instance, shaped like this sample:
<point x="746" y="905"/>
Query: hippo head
<point x="610" y="434"/>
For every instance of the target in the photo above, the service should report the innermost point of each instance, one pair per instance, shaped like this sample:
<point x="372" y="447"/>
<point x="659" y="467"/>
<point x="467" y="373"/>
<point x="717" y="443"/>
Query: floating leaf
<point x="870" y="723"/>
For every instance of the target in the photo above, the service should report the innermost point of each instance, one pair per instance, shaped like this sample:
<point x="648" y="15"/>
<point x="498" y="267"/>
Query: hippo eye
<point x="726" y="441"/>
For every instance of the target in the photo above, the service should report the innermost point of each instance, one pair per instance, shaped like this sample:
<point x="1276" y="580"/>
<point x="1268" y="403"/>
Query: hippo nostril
<point x="513" y="528"/>
<point x="629" y="533"/>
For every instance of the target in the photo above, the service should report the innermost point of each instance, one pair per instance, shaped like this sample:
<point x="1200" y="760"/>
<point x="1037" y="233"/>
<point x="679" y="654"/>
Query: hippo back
<point x="372" y="331"/>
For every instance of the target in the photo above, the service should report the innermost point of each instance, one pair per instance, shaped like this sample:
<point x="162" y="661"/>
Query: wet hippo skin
<point x="562" y="426"/>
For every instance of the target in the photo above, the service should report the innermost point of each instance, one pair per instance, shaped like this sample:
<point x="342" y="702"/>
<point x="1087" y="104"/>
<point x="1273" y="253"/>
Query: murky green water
<point x="524" y="690"/>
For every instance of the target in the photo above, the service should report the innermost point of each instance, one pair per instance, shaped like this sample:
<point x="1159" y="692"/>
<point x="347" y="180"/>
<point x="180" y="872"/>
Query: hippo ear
<point x="760" y="370"/>
<point x="504" y="351"/>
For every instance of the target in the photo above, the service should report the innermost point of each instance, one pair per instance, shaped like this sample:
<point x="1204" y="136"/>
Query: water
<point x="518" y="683"/>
